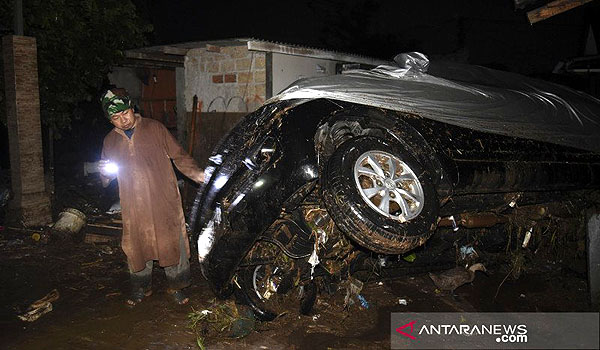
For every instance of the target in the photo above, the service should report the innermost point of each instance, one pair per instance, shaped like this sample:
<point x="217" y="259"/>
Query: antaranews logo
<point x="488" y="330"/>
<point x="505" y="333"/>
<point x="410" y="324"/>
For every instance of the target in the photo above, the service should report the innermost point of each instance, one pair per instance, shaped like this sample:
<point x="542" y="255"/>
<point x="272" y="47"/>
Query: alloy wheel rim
<point x="388" y="185"/>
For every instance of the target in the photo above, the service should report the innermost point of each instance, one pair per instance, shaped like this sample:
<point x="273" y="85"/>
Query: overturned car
<point x="374" y="161"/>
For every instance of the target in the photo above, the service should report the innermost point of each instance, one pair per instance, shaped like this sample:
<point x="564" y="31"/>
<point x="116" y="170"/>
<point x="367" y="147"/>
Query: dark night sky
<point x="488" y="32"/>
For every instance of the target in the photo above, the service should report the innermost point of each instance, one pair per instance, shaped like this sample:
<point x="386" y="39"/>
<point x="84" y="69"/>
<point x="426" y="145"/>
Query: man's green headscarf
<point x="114" y="101"/>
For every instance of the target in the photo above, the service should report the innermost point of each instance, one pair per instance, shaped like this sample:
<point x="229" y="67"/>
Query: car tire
<point x="361" y="176"/>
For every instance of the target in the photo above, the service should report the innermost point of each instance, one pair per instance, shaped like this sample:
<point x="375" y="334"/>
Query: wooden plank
<point x="554" y="8"/>
<point x="104" y="230"/>
<point x="105" y="226"/>
<point x="96" y="238"/>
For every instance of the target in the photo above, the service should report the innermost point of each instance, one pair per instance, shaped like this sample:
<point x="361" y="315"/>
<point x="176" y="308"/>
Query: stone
<point x="213" y="48"/>
<point x="212" y="67"/>
<point x="230" y="78"/>
<point x="236" y="51"/>
<point x="227" y="66"/>
<point x="217" y="78"/>
<point x="245" y="77"/>
<point x="260" y="90"/>
<point x="259" y="63"/>
<point x="260" y="76"/>
<point x="242" y="64"/>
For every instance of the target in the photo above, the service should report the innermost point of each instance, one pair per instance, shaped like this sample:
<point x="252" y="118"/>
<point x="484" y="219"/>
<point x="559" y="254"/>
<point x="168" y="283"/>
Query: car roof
<point x="473" y="97"/>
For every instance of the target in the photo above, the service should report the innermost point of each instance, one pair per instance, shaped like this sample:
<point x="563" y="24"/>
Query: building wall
<point x="180" y="97"/>
<point x="225" y="79"/>
<point x="159" y="96"/>
<point x="287" y="69"/>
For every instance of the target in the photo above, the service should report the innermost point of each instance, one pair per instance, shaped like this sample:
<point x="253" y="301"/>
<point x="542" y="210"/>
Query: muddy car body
<point x="375" y="160"/>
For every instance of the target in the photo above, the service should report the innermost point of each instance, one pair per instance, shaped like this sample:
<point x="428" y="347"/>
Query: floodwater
<point x="91" y="313"/>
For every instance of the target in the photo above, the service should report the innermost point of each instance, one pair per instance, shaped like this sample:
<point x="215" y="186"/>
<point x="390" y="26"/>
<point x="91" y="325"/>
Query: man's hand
<point x="108" y="170"/>
<point x="199" y="178"/>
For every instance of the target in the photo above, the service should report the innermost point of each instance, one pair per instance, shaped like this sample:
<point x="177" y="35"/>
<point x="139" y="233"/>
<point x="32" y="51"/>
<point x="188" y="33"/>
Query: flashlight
<point x="111" y="168"/>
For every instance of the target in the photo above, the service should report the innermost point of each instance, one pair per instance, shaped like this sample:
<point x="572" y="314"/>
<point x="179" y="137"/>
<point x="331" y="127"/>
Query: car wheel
<point x="266" y="282"/>
<point x="380" y="195"/>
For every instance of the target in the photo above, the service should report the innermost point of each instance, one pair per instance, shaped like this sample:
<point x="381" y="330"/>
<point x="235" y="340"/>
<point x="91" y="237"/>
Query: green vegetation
<point x="78" y="41"/>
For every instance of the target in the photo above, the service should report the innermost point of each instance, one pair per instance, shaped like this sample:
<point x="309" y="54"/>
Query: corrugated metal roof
<point x="180" y="49"/>
<point x="297" y="50"/>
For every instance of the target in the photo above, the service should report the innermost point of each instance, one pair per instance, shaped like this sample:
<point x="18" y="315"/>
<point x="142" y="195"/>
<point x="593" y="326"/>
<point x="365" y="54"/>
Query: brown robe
<point x="151" y="204"/>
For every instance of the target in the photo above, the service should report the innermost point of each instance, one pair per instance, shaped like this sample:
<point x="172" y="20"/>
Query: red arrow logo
<point x="408" y="335"/>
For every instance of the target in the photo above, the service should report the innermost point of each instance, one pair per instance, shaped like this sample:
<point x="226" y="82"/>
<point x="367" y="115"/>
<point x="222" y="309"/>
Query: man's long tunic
<point x="153" y="220"/>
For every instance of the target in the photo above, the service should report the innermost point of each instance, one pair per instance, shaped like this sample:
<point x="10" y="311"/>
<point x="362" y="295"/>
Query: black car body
<point x="381" y="156"/>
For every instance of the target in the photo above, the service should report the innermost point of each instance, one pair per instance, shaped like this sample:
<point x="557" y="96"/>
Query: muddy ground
<point x="91" y="279"/>
<point x="91" y="313"/>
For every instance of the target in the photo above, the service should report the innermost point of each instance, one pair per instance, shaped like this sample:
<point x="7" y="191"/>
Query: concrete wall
<point x="225" y="79"/>
<point x="181" y="114"/>
<point x="287" y="69"/>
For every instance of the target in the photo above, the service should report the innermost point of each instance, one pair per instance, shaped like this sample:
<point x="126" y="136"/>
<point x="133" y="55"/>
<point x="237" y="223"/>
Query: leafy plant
<point x="78" y="42"/>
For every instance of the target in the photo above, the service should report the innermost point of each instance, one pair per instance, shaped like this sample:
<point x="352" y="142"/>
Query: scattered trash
<point x="527" y="238"/>
<point x="380" y="283"/>
<point x="454" y="225"/>
<point x="467" y="251"/>
<point x="36" y="237"/>
<point x="363" y="302"/>
<point x="316" y="317"/>
<point x="40" y="307"/>
<point x="402" y="302"/>
<point x="451" y="279"/>
<point x="410" y="257"/>
<point x="353" y="287"/>
<point x="382" y="260"/>
<point x="115" y="208"/>
<point x="243" y="325"/>
<point x="522" y="296"/>
<point x="70" y="221"/>
<point x="4" y="195"/>
<point x="106" y="249"/>
<point x="313" y="261"/>
<point x="322" y="236"/>
<point x="227" y="317"/>
<point x="98" y="238"/>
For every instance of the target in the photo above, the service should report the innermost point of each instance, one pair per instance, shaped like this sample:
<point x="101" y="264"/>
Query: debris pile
<point x="221" y="319"/>
<point x="40" y="307"/>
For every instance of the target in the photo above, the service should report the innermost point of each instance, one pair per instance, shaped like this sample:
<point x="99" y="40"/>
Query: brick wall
<point x="226" y="79"/>
<point x="31" y="202"/>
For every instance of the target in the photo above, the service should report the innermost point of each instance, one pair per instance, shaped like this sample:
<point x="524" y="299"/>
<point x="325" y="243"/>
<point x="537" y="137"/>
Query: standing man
<point x="138" y="152"/>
